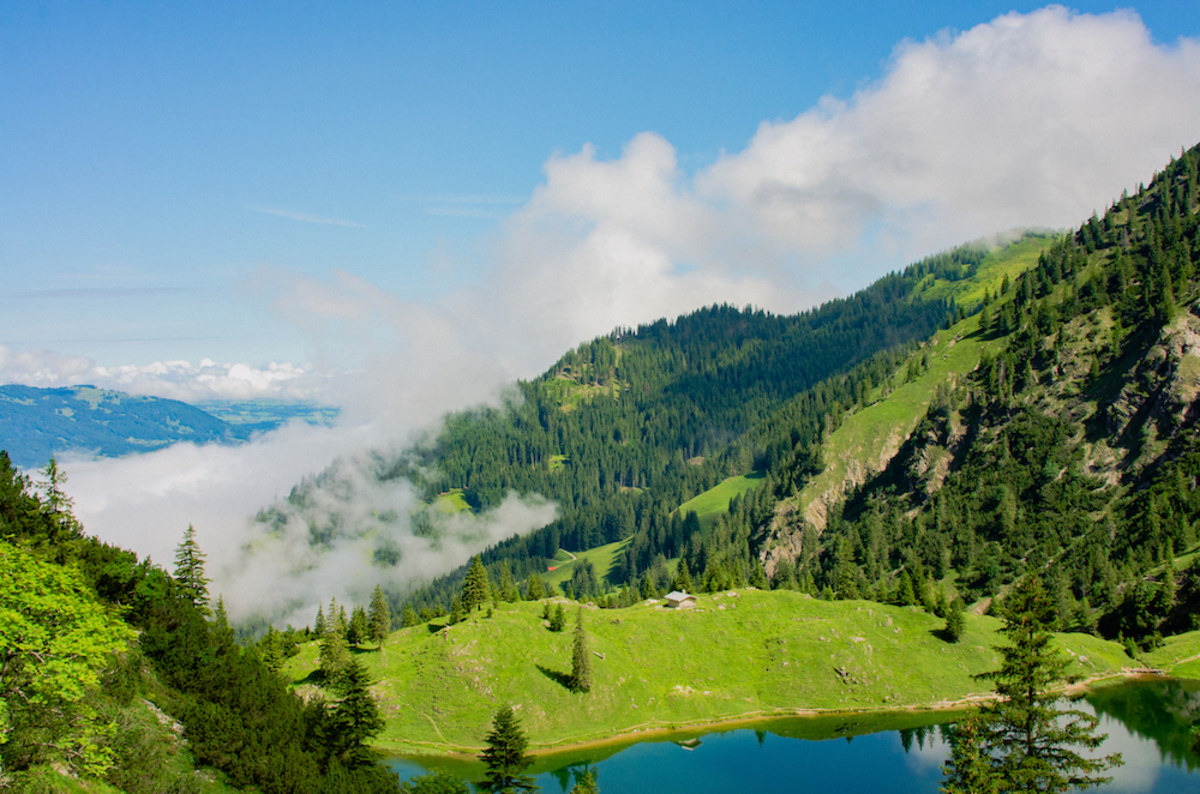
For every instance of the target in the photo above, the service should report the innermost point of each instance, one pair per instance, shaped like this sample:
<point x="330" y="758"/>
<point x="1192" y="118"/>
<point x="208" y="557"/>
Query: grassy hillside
<point x="715" y="501"/>
<point x="744" y="653"/>
<point x="601" y="558"/>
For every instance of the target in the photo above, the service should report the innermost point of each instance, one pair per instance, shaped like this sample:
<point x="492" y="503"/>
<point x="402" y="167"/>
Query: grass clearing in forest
<point x="714" y="502"/>
<point x="601" y="557"/>
<point x="452" y="501"/>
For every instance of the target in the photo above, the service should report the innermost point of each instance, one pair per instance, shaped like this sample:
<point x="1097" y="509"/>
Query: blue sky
<point x="310" y="189"/>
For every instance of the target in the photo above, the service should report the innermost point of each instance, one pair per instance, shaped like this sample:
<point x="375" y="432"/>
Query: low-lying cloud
<point x="1028" y="120"/>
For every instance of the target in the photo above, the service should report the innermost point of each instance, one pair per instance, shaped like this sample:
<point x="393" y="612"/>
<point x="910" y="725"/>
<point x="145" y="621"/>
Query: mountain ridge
<point x="37" y="424"/>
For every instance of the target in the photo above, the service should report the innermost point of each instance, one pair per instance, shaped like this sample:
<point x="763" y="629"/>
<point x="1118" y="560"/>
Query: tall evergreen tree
<point x="409" y="617"/>
<point x="56" y="503"/>
<point x="505" y="756"/>
<point x="535" y="589"/>
<point x="379" y="618"/>
<point x="683" y="577"/>
<point x="1022" y="741"/>
<point x="358" y="628"/>
<point x="189" y="570"/>
<point x="333" y="655"/>
<point x="353" y="719"/>
<point x="581" y="657"/>
<point x="476" y="590"/>
<point x="508" y="590"/>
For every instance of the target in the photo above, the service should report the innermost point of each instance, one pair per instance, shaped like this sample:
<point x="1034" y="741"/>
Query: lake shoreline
<point x="540" y="752"/>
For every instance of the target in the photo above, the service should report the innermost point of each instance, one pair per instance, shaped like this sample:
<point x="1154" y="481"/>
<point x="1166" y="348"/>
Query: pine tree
<point x="558" y="618"/>
<point x="535" y="590"/>
<point x="409" y="617"/>
<point x="581" y="657"/>
<point x="380" y="617"/>
<point x="319" y="624"/>
<point x="270" y="647"/>
<point x="476" y="590"/>
<point x="955" y="622"/>
<point x="1023" y="742"/>
<point x="358" y="628"/>
<point x="353" y="719"/>
<point x="505" y="756"/>
<point x="683" y="577"/>
<point x="333" y="655"/>
<point x="56" y="503"/>
<point x="221" y="628"/>
<point x="508" y="590"/>
<point x="189" y="570"/>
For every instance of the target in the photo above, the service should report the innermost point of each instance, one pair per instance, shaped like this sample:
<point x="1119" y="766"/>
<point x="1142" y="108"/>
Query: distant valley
<point x="37" y="424"/>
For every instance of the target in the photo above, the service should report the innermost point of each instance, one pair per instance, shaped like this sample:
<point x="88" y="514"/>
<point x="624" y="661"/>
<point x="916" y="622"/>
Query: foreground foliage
<point x="75" y="690"/>
<point x="1023" y="741"/>
<point x="505" y="755"/>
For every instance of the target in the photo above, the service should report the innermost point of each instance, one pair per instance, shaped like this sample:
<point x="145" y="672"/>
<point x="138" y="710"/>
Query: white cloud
<point x="1029" y="120"/>
<point x="176" y="380"/>
<point x="313" y="551"/>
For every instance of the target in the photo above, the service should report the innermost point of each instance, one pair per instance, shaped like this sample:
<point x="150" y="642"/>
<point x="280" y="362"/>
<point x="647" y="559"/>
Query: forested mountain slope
<point x="1065" y="443"/>
<point x="625" y="428"/>
<point x="1050" y="426"/>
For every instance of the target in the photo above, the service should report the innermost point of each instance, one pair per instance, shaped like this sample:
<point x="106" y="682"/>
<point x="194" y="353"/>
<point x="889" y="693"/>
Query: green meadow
<point x="739" y="655"/>
<point x="715" y="501"/>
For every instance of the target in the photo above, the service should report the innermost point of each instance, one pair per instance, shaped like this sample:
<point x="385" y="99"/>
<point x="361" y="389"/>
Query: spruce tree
<point x="683" y="577"/>
<point x="955" y="622"/>
<point x="353" y="719"/>
<point x="535" y="590"/>
<point x="581" y="657"/>
<point x="558" y="618"/>
<point x="57" y="505"/>
<point x="505" y="756"/>
<point x="358" y="628"/>
<point x="508" y="590"/>
<point x="476" y="590"/>
<point x="379" y="618"/>
<point x="409" y="617"/>
<point x="189" y="570"/>
<point x="271" y="650"/>
<point x="1022" y="741"/>
<point x="333" y="655"/>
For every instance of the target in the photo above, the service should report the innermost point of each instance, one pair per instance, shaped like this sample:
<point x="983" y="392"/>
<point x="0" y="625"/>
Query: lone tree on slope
<point x="581" y="662"/>
<point x="189" y="570"/>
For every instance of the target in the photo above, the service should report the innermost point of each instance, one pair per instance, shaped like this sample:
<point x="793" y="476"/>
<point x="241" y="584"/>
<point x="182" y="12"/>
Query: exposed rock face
<point x="1159" y="396"/>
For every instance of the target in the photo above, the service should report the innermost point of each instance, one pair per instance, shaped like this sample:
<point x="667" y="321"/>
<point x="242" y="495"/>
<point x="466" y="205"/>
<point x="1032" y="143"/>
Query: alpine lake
<point x="1149" y="721"/>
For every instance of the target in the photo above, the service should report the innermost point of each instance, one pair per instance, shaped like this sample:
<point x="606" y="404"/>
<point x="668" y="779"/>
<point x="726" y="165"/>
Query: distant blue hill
<point x="37" y="424"/>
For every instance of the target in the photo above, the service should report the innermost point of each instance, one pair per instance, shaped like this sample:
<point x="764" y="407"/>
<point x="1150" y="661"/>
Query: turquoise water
<point x="1148" y="722"/>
